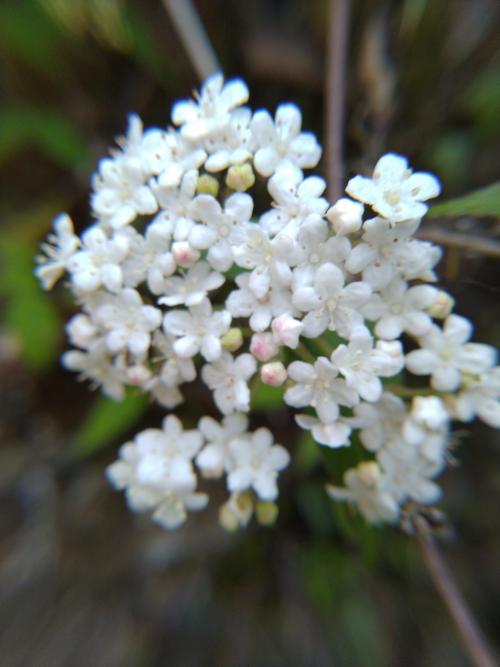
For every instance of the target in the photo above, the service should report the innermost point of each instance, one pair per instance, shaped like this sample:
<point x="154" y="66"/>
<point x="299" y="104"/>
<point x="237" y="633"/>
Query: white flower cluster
<point x="185" y="275"/>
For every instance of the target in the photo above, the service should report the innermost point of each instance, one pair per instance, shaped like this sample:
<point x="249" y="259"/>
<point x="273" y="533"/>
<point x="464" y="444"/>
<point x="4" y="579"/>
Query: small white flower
<point x="295" y="199"/>
<point x="330" y="304"/>
<point x="128" y="321"/>
<point x="386" y="252"/>
<point x="480" y="396"/>
<point x="157" y="474"/>
<point x="198" y="330"/>
<point x="149" y="257"/>
<point x="399" y="308"/>
<point x="319" y="386"/>
<point x="227" y="378"/>
<point x="365" y="486"/>
<point x="232" y="145"/>
<point x="361" y="364"/>
<point x="96" y="365"/>
<point x="379" y="423"/>
<point x="282" y="140"/>
<point x="244" y="303"/>
<point x="192" y="287"/>
<point x="212" y="112"/>
<point x="446" y="354"/>
<point x="395" y="192"/>
<point x="98" y="262"/>
<point x="256" y="463"/>
<point x="215" y="458"/>
<point x="61" y="246"/>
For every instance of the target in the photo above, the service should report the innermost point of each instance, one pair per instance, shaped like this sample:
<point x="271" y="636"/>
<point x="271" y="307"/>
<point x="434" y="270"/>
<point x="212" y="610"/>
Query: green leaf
<point x="22" y="126"/>
<point x="28" y="311"/>
<point x="484" y="202"/>
<point x="106" y="421"/>
<point x="27" y="34"/>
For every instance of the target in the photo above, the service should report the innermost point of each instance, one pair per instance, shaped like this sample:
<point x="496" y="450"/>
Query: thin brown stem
<point x="193" y="37"/>
<point x="338" y="31"/>
<point x="468" y="242"/>
<point x="468" y="630"/>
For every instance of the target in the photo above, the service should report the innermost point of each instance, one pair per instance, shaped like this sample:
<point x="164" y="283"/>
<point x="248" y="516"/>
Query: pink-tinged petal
<point x="422" y="362"/>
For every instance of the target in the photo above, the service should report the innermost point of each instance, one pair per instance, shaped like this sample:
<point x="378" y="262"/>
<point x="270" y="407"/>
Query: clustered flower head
<point x="183" y="276"/>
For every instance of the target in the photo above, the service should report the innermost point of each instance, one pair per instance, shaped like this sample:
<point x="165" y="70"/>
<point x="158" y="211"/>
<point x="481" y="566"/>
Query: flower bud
<point x="286" y="330"/>
<point x="184" y="254"/>
<point x="240" y="177"/>
<point x="346" y="216"/>
<point x="232" y="340"/>
<point x="273" y="374"/>
<point x="442" y="306"/>
<point x="266" y="513"/>
<point x="369" y="472"/>
<point x="263" y="347"/>
<point x="207" y="185"/>
<point x="237" y="511"/>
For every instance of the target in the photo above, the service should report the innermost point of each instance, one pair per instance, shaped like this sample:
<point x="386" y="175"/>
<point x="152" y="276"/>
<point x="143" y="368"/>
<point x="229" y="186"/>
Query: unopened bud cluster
<point x="181" y="278"/>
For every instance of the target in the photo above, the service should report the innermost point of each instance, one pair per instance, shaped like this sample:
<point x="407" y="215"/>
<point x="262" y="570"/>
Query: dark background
<point x="82" y="581"/>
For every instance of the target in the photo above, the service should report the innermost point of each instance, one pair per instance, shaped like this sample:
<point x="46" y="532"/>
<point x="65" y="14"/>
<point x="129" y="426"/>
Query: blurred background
<point x="84" y="582"/>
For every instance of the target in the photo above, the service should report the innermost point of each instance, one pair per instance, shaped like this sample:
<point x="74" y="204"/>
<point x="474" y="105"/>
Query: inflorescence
<point x="180" y="277"/>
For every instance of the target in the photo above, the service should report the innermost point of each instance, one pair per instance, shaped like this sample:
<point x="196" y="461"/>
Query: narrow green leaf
<point x="106" y="421"/>
<point x="28" y="311"/>
<point x="22" y="126"/>
<point x="484" y="202"/>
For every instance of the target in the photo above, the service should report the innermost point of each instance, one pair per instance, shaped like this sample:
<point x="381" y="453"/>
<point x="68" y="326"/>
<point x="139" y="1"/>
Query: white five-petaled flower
<point x="127" y="321"/>
<point x="191" y="288"/>
<point x="256" y="463"/>
<point x="395" y="192"/>
<point x="215" y="457"/>
<point x="198" y="330"/>
<point x="157" y="474"/>
<point x="319" y="386"/>
<point x="329" y="303"/>
<point x="362" y="364"/>
<point x="227" y="378"/>
<point x="445" y="354"/>
<point x="282" y="140"/>
<point x="211" y="113"/>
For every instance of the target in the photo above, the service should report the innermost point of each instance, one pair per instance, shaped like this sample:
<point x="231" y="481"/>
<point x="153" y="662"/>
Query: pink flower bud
<point x="273" y="374"/>
<point x="263" y="347"/>
<point x="138" y="375"/>
<point x="184" y="254"/>
<point x="286" y="330"/>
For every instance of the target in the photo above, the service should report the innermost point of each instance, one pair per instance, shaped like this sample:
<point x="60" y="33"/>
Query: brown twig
<point x="468" y="630"/>
<point x="462" y="241"/>
<point x="193" y="37"/>
<point x="338" y="30"/>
